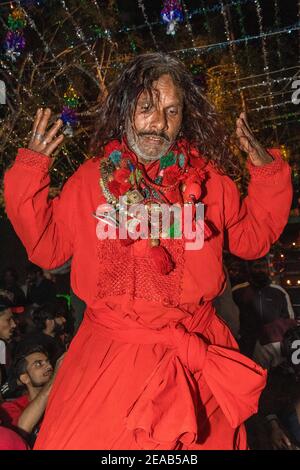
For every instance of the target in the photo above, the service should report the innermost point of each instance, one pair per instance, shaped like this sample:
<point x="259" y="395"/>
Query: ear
<point x="24" y="379"/>
<point x="50" y="323"/>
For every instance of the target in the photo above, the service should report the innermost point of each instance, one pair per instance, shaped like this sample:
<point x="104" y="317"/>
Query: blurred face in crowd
<point x="156" y="121"/>
<point x="55" y="326"/>
<point x="7" y="325"/>
<point x="9" y="278"/>
<point x="260" y="276"/>
<point x="38" y="370"/>
<point x="60" y="322"/>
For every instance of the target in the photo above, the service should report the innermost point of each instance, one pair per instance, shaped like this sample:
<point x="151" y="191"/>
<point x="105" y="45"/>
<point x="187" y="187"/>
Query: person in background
<point x="49" y="321"/>
<point x="280" y="400"/>
<point x="7" y="328"/>
<point x="9" y="282"/>
<point x="10" y="440"/>
<point x="227" y="309"/>
<point x="32" y="368"/>
<point x="266" y="313"/>
<point x="39" y="289"/>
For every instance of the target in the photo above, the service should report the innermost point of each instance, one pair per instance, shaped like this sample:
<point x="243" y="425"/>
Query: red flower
<point x="171" y="175"/>
<point x="121" y="175"/>
<point x="124" y="187"/>
<point x="114" y="188"/>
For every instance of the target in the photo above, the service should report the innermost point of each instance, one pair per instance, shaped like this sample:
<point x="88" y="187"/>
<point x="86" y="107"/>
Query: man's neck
<point x="33" y="392"/>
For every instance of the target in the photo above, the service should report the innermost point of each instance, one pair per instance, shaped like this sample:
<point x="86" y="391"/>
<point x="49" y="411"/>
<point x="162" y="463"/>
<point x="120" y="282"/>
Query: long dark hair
<point x="201" y="124"/>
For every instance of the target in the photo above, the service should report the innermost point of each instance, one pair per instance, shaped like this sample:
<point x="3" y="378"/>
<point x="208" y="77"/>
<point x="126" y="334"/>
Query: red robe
<point x="152" y="366"/>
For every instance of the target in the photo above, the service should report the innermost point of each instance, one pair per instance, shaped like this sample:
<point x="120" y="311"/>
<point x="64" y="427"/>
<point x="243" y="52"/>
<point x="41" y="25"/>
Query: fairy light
<point x="188" y="23"/>
<point x="271" y="106"/>
<point x="220" y="45"/>
<point x="80" y="34"/>
<point x="277" y="24"/>
<point x="142" y="7"/>
<point x="243" y="31"/>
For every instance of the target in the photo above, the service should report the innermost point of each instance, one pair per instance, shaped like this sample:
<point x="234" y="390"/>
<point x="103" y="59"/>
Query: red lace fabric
<point x="33" y="159"/>
<point x="260" y="173"/>
<point x="122" y="272"/>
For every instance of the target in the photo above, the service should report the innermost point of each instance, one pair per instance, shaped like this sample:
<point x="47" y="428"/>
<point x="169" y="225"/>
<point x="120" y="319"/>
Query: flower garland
<point x="121" y="175"/>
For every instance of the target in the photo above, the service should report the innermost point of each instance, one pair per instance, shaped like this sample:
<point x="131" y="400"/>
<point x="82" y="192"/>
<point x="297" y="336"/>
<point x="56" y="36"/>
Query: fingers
<point x="41" y="141"/>
<point x="36" y="123"/>
<point x="53" y="131"/>
<point x="53" y="145"/>
<point x="286" y="441"/>
<point x="43" y="123"/>
<point x="244" y="133"/>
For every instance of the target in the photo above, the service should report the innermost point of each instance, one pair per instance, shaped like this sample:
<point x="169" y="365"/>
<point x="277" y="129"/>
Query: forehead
<point x="37" y="356"/>
<point x="6" y="314"/>
<point x="164" y="89"/>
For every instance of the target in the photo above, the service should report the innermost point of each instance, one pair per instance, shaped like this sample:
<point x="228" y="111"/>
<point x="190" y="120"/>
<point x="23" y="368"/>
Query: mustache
<point x="161" y="135"/>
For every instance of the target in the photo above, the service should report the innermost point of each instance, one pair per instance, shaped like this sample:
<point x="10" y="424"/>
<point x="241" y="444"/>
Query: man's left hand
<point x="249" y="144"/>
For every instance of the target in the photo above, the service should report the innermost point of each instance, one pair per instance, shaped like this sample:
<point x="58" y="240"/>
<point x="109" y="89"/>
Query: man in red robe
<point x="152" y="366"/>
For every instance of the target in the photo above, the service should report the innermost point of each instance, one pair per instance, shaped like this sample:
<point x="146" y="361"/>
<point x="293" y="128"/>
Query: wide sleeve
<point x="46" y="227"/>
<point x="253" y="224"/>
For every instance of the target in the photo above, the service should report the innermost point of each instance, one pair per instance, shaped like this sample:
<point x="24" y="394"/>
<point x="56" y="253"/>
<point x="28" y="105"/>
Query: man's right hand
<point x="42" y="141"/>
<point x="279" y="439"/>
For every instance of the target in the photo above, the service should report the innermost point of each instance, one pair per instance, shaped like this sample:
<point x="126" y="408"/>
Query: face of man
<point x="9" y="278"/>
<point x="38" y="370"/>
<point x="59" y="325"/>
<point x="156" y="123"/>
<point x="7" y="325"/>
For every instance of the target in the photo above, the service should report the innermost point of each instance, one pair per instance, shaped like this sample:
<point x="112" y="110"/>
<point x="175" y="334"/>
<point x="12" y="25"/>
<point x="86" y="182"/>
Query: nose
<point x="159" y="122"/>
<point x="13" y="323"/>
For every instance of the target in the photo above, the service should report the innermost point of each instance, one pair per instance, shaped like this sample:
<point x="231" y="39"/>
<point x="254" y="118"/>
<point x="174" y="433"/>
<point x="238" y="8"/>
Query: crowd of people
<point x="36" y="328"/>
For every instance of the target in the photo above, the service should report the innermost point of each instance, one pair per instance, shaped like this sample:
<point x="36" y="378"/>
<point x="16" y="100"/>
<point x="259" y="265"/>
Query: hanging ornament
<point x="14" y="43"/>
<point x="172" y="15"/>
<point x="69" y="114"/>
<point x="16" y="20"/>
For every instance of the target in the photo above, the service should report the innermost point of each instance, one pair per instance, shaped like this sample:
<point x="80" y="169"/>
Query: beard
<point x="145" y="152"/>
<point x="59" y="329"/>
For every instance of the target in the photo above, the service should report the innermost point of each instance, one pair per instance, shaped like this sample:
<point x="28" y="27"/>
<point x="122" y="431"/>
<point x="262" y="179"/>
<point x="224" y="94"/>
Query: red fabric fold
<point x="165" y="410"/>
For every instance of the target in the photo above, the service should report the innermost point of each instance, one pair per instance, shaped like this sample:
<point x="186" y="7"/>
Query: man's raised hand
<point x="43" y="141"/>
<point x="249" y="144"/>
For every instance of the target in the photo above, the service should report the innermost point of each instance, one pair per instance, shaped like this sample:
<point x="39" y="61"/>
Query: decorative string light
<point x="47" y="49"/>
<point x="142" y="7"/>
<point x="277" y="24"/>
<point x="224" y="11"/>
<point x="206" y="23"/>
<point x="264" y="83"/>
<point x="188" y="23"/>
<point x="276" y="105"/>
<point x="265" y="57"/>
<point x="221" y="45"/>
<point x="80" y="34"/>
<point x="243" y="31"/>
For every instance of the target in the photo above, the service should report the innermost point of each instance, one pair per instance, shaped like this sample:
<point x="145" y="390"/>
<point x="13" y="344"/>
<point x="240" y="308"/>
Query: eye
<point x="146" y="107"/>
<point x="173" y="111"/>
